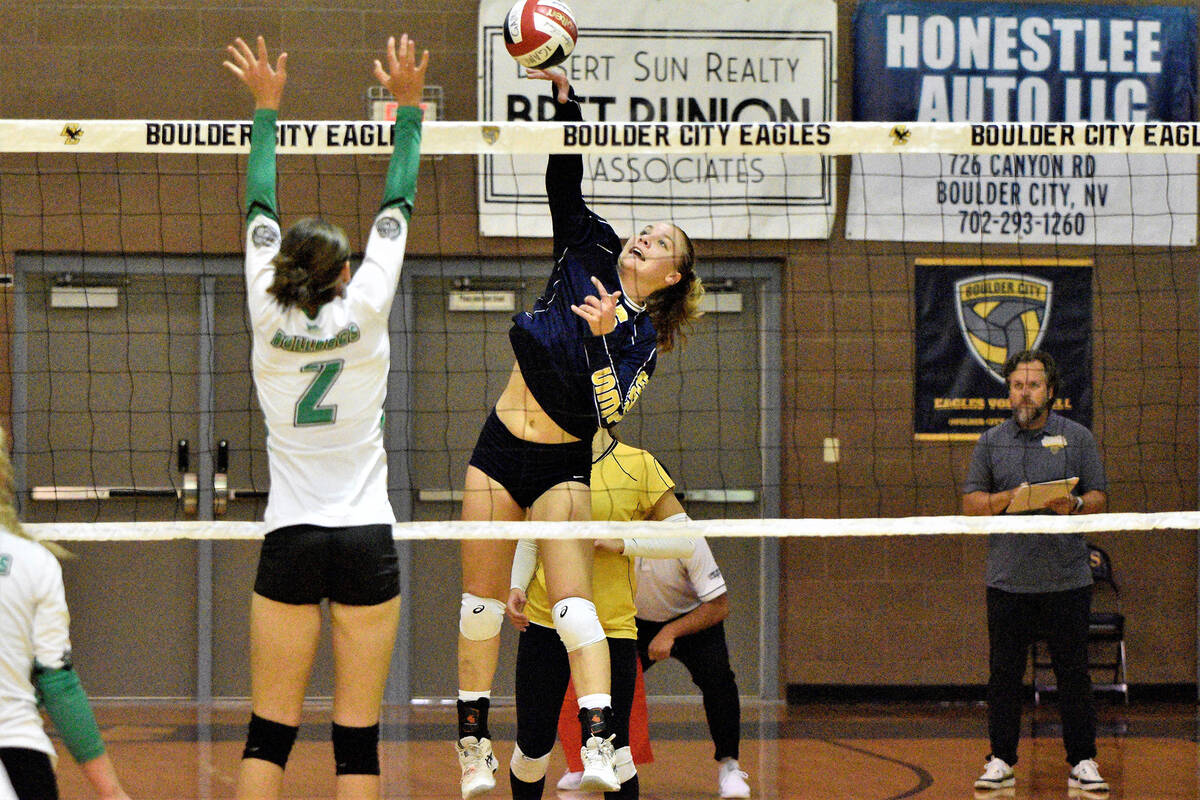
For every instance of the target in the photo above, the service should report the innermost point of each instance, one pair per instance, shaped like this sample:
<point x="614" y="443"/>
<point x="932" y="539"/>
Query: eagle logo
<point x="900" y="134"/>
<point x="1000" y="314"/>
<point x="71" y="133"/>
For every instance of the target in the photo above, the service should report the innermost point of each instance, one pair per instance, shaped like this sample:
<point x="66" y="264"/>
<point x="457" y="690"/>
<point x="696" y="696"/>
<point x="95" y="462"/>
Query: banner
<point x="1006" y="62"/>
<point x="972" y="315"/>
<point x="674" y="61"/>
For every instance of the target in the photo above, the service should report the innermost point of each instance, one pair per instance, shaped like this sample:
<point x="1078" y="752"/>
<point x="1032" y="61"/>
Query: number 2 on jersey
<point x="309" y="410"/>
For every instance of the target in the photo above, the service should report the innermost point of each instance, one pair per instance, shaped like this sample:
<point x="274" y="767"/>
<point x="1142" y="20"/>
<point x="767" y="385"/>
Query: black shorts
<point x="529" y="469"/>
<point x="303" y="564"/>
<point x="30" y="773"/>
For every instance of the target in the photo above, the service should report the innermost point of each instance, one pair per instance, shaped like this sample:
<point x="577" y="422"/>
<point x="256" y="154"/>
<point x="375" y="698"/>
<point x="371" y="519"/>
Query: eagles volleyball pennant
<point x="970" y="317"/>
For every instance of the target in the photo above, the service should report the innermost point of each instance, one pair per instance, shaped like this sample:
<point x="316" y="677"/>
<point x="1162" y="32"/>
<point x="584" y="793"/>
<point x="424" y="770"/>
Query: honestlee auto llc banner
<point x="674" y="61"/>
<point x="1008" y="62"/>
<point x="972" y="315"/>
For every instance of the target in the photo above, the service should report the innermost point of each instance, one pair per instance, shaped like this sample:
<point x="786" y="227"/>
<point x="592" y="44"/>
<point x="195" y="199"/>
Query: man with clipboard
<point x="1039" y="586"/>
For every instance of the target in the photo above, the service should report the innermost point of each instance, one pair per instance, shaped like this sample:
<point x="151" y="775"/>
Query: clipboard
<point x="1035" y="496"/>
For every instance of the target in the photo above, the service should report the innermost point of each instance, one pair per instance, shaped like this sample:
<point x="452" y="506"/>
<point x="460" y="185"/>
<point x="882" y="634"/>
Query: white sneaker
<point x="732" y="780"/>
<point x="1086" y="775"/>
<point x="478" y="764"/>
<point x="569" y="782"/>
<point x="599" y="774"/>
<point x="996" y="775"/>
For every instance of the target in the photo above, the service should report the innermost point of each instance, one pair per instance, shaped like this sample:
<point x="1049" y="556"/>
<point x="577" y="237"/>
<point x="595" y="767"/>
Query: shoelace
<point x="472" y="754"/>
<point x="600" y="753"/>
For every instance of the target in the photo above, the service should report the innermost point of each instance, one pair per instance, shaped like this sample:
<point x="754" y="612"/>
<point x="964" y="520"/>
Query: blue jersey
<point x="581" y="380"/>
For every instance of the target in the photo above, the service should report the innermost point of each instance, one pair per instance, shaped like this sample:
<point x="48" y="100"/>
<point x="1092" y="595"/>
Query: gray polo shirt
<point x="1007" y="456"/>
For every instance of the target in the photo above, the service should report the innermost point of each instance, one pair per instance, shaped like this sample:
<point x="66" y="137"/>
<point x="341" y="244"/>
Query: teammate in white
<point x="681" y="608"/>
<point x="320" y="361"/>
<point x="35" y="668"/>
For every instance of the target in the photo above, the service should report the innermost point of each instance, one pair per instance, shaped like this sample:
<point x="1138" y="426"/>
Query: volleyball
<point x="540" y="33"/>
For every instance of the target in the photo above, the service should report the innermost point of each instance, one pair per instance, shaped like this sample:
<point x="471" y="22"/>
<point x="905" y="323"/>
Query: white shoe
<point x="599" y="774"/>
<point x="569" y="782"/>
<point x="1086" y="775"/>
<point x="479" y="766"/>
<point x="997" y="774"/>
<point x="732" y="780"/>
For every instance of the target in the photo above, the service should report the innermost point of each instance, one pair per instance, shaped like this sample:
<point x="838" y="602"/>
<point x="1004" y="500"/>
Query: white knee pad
<point x="526" y="769"/>
<point x="623" y="764"/>
<point x="480" y="618"/>
<point x="577" y="623"/>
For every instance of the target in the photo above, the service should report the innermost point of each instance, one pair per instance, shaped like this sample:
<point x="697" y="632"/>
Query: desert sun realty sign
<point x="674" y="61"/>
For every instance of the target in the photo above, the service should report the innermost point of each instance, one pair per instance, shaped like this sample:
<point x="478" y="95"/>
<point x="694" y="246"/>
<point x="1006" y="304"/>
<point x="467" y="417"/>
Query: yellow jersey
<point x="626" y="484"/>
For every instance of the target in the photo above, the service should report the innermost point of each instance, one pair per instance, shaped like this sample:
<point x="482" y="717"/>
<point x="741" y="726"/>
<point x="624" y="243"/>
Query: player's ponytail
<point x="309" y="264"/>
<point x="670" y="307"/>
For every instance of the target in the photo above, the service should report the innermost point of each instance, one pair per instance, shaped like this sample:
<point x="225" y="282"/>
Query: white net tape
<point x="897" y="526"/>
<point x="486" y="138"/>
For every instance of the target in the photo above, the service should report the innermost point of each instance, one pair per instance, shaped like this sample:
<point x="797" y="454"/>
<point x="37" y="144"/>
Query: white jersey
<point x="668" y="588"/>
<point x="321" y="384"/>
<point x="33" y="628"/>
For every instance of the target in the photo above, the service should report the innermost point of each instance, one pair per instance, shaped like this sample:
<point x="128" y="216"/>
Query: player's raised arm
<point x="564" y="171"/>
<point x="266" y="85"/>
<point x="404" y="77"/>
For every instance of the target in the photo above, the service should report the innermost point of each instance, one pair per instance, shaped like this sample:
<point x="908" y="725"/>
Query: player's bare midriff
<point x="524" y="417"/>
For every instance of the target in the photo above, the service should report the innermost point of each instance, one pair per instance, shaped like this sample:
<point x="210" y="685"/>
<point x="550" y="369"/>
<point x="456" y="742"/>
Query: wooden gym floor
<point x="812" y="752"/>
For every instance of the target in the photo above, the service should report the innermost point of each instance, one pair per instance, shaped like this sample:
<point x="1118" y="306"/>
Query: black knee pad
<point x="356" y="750"/>
<point x="269" y="741"/>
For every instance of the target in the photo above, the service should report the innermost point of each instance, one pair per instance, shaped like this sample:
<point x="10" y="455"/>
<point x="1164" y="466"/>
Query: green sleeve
<point x="400" y="186"/>
<point x="260" y="170"/>
<point x="65" y="701"/>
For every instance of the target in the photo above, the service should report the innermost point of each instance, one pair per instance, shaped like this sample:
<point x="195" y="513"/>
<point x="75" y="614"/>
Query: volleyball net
<point x="865" y="283"/>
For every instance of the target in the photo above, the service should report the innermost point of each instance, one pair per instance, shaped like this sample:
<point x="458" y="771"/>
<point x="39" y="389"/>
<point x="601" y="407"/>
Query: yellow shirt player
<point x="628" y="484"/>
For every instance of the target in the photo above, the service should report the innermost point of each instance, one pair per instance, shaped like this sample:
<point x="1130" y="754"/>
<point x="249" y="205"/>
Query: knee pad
<point x="526" y="769"/>
<point x="480" y="618"/>
<point x="269" y="741"/>
<point x="577" y="624"/>
<point x="356" y="750"/>
<point x="623" y="764"/>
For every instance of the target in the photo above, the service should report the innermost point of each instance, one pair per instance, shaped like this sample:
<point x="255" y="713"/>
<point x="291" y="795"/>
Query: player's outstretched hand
<point x="265" y="83"/>
<point x="600" y="310"/>
<point x="404" y="77"/>
<point x="558" y="76"/>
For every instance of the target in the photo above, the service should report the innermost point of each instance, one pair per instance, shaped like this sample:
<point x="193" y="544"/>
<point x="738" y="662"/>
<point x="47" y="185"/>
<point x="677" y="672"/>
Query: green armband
<point x="260" y="169"/>
<point x="400" y="185"/>
<point x="67" y="705"/>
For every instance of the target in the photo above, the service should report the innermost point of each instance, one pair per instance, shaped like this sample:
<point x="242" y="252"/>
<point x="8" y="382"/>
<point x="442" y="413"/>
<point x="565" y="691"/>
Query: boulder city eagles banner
<point x="971" y="316"/>
<point x="1021" y="62"/>
<point x="674" y="61"/>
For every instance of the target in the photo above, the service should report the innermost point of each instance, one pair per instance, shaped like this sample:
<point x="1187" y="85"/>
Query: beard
<point x="1027" y="413"/>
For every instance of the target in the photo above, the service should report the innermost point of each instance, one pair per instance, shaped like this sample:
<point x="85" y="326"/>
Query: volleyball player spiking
<point x="584" y="354"/>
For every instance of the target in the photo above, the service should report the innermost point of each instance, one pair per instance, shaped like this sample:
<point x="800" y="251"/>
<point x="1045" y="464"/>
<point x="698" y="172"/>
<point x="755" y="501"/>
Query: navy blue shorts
<point x="529" y="469"/>
<point x="304" y="564"/>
